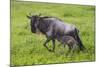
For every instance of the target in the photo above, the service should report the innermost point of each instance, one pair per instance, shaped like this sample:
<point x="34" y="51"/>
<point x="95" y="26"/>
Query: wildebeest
<point x="68" y="40"/>
<point x="53" y="27"/>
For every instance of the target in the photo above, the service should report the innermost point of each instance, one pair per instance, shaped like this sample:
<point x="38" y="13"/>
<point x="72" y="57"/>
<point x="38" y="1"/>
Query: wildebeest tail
<point x="80" y="44"/>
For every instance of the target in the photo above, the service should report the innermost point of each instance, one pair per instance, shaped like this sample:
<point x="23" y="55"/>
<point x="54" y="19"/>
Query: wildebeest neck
<point x="43" y="25"/>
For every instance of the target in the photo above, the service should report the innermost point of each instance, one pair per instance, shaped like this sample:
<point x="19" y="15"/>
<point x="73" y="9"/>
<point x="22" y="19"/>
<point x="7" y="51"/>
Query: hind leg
<point x="70" y="51"/>
<point x="74" y="47"/>
<point x="69" y="48"/>
<point x="63" y="45"/>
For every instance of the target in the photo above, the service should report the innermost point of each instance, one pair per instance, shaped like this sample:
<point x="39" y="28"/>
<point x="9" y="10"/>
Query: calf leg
<point x="63" y="44"/>
<point x="73" y="48"/>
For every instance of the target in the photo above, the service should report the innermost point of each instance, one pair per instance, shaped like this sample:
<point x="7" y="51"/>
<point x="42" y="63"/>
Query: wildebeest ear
<point x="28" y="17"/>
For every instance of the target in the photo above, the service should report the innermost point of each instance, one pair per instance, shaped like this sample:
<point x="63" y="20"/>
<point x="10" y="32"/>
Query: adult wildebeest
<point x="53" y="27"/>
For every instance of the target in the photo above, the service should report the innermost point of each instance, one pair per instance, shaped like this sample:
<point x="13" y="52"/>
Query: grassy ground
<point x="27" y="48"/>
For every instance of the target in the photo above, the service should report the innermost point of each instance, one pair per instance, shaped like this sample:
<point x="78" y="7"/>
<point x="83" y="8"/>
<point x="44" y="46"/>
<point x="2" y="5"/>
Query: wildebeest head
<point x="33" y="22"/>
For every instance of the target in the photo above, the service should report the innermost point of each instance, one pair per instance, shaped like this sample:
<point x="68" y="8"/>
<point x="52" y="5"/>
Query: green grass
<point x="27" y="48"/>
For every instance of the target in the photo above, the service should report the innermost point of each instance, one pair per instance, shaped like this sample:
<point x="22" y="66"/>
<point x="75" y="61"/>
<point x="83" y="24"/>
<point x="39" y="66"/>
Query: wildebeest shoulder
<point x="44" y="25"/>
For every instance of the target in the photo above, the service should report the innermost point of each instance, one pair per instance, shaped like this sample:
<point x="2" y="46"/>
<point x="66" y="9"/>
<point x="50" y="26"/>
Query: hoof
<point x="51" y="50"/>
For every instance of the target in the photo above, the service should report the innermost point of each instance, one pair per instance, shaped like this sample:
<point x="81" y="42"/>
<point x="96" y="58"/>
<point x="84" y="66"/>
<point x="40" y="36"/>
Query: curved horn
<point x="30" y="14"/>
<point x="39" y="14"/>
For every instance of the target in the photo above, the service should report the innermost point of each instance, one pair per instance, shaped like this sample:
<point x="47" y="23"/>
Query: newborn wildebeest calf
<point x="68" y="40"/>
<point x="53" y="27"/>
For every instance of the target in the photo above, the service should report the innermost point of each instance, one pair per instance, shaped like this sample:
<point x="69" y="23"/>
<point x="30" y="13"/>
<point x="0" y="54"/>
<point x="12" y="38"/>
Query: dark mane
<point x="47" y="17"/>
<point x="50" y="17"/>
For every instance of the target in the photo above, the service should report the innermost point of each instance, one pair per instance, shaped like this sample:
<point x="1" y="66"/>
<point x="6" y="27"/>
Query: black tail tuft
<point x="80" y="44"/>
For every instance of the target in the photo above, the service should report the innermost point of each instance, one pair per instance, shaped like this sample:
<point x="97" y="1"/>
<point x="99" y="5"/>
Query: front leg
<point x="45" y="44"/>
<point x="53" y="42"/>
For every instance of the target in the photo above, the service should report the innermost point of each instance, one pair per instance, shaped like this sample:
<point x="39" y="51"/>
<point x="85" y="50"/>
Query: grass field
<point x="27" y="48"/>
